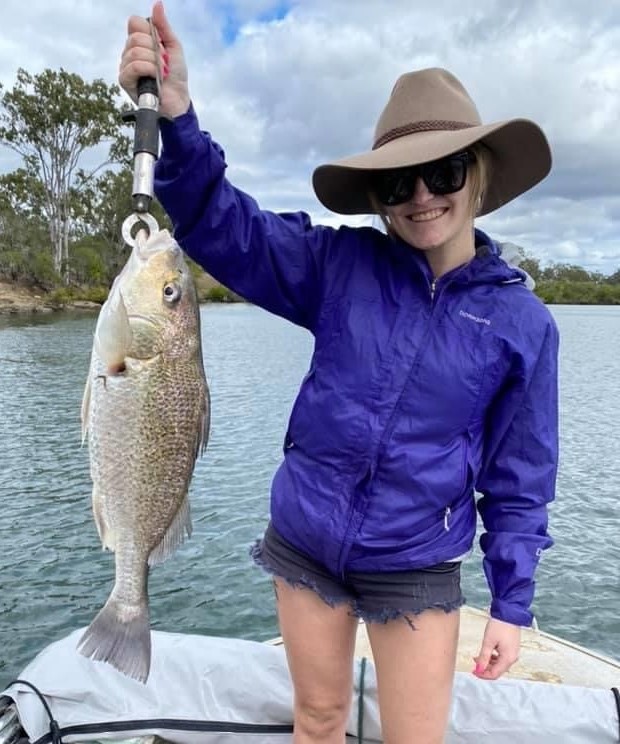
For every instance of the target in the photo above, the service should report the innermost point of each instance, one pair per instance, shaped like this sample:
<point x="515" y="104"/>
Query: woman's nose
<point x="421" y="194"/>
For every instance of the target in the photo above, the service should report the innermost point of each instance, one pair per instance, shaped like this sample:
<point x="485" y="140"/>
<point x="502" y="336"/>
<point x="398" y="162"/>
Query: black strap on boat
<point x="56" y="738"/>
<point x="360" y="704"/>
<point x="616" y="694"/>
<point x="148" y="725"/>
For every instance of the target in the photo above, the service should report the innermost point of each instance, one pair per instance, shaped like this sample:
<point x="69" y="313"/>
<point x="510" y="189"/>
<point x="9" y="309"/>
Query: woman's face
<point x="433" y="222"/>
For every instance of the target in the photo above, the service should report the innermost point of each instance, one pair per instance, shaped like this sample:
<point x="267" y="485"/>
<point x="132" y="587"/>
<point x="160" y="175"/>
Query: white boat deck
<point x="543" y="658"/>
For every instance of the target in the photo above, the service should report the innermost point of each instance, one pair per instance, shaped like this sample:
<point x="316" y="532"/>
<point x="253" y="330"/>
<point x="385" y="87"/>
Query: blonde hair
<point x="477" y="176"/>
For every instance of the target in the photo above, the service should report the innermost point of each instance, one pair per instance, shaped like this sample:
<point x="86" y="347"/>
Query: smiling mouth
<point x="430" y="214"/>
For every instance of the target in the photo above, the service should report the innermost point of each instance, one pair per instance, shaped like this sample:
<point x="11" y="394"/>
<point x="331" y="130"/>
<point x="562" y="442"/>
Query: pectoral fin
<point x="113" y="333"/>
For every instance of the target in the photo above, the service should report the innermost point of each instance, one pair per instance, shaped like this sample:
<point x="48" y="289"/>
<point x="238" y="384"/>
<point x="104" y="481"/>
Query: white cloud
<point x="293" y="92"/>
<point x="568" y="249"/>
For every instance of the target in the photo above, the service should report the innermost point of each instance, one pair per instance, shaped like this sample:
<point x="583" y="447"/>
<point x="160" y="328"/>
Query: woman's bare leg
<point x="319" y="642"/>
<point x="415" y="674"/>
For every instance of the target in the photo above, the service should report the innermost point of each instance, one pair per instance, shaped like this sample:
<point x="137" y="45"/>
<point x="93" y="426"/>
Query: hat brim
<point x="521" y="158"/>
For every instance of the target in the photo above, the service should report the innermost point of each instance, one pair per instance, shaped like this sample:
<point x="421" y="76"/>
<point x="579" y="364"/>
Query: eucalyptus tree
<point x="66" y="130"/>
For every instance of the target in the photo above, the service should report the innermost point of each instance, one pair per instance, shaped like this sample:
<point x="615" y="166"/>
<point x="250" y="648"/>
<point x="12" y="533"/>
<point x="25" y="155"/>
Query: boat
<point x="204" y="689"/>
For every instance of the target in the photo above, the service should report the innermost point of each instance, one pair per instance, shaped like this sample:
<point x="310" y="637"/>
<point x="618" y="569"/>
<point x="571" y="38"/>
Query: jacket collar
<point x="487" y="266"/>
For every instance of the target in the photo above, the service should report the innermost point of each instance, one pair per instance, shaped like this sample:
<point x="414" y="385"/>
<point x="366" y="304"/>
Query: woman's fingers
<point x="138" y="24"/>
<point x="164" y="29"/>
<point x="139" y="59"/>
<point x="155" y="51"/>
<point x="499" y="649"/>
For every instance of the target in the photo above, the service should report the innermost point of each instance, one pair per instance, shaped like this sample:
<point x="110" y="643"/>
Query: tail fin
<point x="123" y="643"/>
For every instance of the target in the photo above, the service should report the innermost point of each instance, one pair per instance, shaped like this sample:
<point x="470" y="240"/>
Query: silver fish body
<point x="146" y="415"/>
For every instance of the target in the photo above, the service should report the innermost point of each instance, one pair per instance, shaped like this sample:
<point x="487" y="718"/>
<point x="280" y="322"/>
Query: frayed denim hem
<point x="301" y="582"/>
<point x="382" y="614"/>
<point x="386" y="614"/>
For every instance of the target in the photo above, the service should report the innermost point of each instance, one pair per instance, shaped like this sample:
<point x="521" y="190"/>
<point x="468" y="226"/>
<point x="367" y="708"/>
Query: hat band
<point x="420" y="126"/>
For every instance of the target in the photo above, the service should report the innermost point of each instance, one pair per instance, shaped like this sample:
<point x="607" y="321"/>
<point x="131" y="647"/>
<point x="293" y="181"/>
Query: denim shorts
<point x="374" y="597"/>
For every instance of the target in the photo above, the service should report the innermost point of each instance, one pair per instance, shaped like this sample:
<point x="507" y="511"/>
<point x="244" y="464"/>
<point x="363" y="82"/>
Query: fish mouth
<point x="142" y="319"/>
<point x="145" y="249"/>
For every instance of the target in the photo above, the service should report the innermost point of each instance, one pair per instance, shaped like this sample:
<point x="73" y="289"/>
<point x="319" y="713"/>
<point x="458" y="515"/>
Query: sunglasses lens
<point x="445" y="176"/>
<point x="441" y="177"/>
<point x="394" y="187"/>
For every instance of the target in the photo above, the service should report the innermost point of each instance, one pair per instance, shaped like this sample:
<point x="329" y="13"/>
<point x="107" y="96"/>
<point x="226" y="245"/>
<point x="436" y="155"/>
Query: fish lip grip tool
<point x="145" y="152"/>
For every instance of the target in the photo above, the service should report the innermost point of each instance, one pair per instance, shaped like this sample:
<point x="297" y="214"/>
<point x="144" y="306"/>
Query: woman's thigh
<point x="319" y="640"/>
<point x="415" y="658"/>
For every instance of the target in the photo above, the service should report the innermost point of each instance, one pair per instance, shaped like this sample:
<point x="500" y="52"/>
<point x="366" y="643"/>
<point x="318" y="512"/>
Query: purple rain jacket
<point x="419" y="393"/>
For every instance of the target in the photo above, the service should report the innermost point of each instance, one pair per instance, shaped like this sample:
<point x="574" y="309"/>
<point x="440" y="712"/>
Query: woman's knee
<point x="322" y="718"/>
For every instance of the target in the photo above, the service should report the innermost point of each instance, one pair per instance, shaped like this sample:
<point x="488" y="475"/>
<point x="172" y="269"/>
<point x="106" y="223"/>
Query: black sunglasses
<point x="441" y="177"/>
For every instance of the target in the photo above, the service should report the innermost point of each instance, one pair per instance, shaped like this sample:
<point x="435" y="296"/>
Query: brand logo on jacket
<point x="475" y="318"/>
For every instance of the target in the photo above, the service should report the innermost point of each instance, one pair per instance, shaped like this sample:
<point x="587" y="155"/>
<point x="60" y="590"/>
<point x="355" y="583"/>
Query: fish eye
<point x="172" y="293"/>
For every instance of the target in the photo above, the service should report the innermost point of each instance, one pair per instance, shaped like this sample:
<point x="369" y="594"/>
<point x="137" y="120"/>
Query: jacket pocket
<point x="465" y="485"/>
<point x="289" y="441"/>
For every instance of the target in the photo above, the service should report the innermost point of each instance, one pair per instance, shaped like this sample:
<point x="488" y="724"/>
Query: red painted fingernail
<point x="479" y="669"/>
<point x="166" y="71"/>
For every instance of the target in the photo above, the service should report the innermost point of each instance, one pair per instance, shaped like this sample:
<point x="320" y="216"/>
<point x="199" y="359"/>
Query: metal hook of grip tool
<point x="136" y="222"/>
<point x="145" y="151"/>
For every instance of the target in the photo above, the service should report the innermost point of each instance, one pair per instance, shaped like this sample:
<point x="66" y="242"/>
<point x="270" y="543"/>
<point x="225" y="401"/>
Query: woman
<point x="434" y="373"/>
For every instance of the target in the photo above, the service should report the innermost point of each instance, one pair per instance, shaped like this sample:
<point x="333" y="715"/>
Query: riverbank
<point x="17" y="298"/>
<point x="21" y="299"/>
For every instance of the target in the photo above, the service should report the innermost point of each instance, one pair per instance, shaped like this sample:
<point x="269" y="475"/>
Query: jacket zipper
<point x="446" y="518"/>
<point x="343" y="555"/>
<point x="388" y="427"/>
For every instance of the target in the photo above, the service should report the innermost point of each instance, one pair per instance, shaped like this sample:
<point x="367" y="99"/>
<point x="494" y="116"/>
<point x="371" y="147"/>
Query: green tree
<point x="532" y="266"/>
<point x="52" y="119"/>
<point x="613" y="278"/>
<point x="103" y="206"/>
<point x="24" y="240"/>
<point x="568" y="273"/>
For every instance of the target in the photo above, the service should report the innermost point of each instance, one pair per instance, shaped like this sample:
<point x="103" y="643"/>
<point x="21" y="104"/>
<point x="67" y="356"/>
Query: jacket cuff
<point x="511" y="613"/>
<point x="180" y="136"/>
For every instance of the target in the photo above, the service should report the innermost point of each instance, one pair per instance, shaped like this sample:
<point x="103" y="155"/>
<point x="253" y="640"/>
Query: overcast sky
<point x="285" y="85"/>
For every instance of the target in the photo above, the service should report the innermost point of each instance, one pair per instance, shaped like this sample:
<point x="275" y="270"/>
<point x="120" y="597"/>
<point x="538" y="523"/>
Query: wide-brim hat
<point x="430" y="115"/>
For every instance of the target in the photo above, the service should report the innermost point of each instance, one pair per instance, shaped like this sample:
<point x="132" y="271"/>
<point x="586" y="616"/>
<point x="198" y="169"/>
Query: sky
<point x="285" y="85"/>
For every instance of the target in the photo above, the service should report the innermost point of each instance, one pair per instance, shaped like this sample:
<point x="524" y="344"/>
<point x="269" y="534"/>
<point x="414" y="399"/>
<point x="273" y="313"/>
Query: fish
<point x="146" y="417"/>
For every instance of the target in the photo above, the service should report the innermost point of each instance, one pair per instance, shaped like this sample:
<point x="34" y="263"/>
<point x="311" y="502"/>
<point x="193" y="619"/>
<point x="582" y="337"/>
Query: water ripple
<point x="54" y="575"/>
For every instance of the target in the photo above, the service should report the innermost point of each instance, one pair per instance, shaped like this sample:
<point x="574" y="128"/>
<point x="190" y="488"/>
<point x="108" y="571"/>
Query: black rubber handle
<point x="147" y="85"/>
<point x="146" y="135"/>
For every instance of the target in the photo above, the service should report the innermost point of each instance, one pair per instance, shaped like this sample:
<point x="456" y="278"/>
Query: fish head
<point x="152" y="308"/>
<point x="160" y="299"/>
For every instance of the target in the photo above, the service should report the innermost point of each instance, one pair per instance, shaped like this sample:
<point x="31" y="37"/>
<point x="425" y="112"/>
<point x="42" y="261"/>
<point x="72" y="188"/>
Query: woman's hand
<point x="500" y="649"/>
<point x="139" y="59"/>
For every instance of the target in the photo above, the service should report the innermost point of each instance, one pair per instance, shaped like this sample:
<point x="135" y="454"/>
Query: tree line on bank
<point x="62" y="208"/>
<point x="568" y="284"/>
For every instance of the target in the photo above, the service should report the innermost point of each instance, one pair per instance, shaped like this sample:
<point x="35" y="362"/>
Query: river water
<point x="54" y="576"/>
